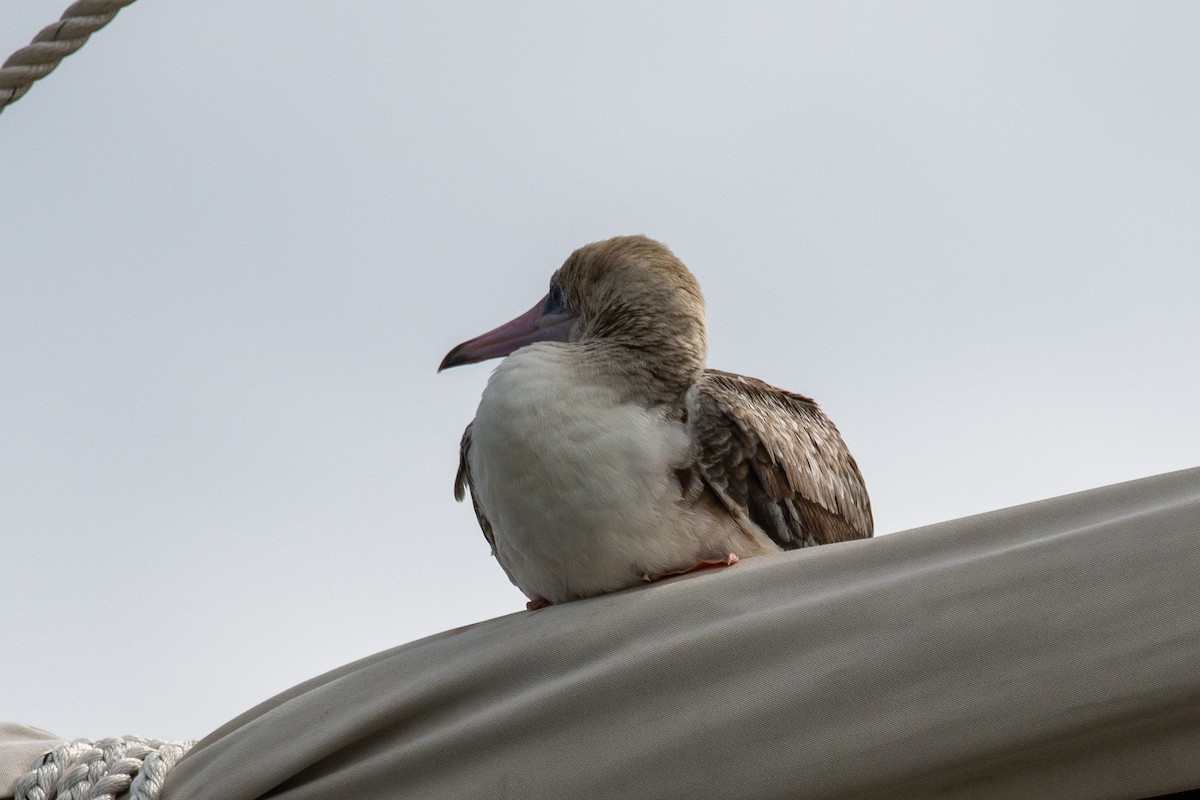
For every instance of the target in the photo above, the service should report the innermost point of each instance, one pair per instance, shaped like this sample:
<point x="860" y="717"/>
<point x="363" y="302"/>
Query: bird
<point x="605" y="453"/>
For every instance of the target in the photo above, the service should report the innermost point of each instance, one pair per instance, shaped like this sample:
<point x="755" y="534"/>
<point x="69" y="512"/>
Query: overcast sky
<point x="237" y="238"/>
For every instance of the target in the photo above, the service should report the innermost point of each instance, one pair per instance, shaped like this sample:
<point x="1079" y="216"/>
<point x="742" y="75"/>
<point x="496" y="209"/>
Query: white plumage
<point x="580" y="487"/>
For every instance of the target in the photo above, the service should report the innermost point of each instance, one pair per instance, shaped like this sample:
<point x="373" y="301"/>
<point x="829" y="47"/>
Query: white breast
<point x="579" y="487"/>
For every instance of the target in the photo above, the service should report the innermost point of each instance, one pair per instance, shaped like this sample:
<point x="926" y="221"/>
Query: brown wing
<point x="774" y="457"/>
<point x="462" y="482"/>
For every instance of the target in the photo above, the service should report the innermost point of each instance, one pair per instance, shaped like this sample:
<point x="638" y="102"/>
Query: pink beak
<point x="533" y="326"/>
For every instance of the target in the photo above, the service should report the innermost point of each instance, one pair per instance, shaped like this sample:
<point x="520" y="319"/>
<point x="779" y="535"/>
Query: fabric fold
<point x="1046" y="650"/>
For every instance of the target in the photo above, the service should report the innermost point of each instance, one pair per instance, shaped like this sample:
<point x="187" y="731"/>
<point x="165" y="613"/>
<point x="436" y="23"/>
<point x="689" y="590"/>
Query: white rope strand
<point x="148" y="784"/>
<point x="54" y="43"/>
<point x="102" y="770"/>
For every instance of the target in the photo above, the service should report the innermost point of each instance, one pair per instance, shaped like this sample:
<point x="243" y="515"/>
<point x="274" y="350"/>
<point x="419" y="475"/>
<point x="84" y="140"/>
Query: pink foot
<point x="536" y="603"/>
<point x="728" y="561"/>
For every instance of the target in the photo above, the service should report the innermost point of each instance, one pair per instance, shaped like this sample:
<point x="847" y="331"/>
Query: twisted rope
<point x="54" y="43"/>
<point x="102" y="770"/>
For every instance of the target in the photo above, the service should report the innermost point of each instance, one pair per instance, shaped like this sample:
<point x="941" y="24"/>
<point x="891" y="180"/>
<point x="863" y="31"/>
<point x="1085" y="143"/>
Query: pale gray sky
<point x="237" y="238"/>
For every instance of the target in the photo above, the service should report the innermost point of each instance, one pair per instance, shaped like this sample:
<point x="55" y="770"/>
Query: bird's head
<point x="630" y="292"/>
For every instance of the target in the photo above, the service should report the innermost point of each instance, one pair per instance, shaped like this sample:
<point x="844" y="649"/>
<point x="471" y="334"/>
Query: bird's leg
<point x="728" y="561"/>
<point x="536" y="603"/>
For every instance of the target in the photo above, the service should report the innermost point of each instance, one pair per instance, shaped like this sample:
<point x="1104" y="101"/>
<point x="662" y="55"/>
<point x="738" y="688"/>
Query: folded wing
<point x="774" y="458"/>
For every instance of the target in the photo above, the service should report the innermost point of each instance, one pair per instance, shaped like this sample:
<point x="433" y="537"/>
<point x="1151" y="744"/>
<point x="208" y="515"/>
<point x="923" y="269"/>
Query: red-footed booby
<point x="604" y="453"/>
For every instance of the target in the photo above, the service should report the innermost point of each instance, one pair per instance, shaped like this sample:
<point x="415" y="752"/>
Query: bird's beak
<point x="532" y="326"/>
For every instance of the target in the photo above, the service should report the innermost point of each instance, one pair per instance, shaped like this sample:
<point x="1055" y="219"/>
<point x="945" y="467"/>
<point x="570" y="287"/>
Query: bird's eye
<point x="555" y="304"/>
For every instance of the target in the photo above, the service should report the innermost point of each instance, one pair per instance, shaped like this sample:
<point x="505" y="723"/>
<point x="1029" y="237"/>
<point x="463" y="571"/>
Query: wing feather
<point x="774" y="457"/>
<point x="462" y="482"/>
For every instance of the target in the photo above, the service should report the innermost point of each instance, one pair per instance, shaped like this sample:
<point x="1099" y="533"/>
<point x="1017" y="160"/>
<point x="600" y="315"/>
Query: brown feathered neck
<point x="641" y="316"/>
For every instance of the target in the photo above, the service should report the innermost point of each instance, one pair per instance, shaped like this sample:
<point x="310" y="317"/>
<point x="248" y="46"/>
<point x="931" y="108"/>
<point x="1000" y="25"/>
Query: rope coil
<point x="52" y="44"/>
<point x="102" y="770"/>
